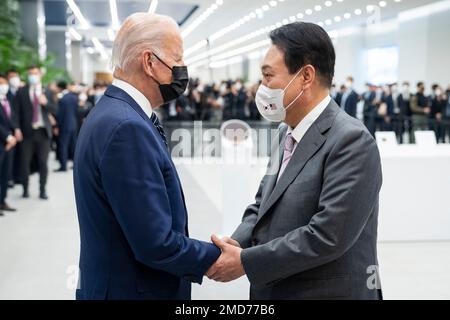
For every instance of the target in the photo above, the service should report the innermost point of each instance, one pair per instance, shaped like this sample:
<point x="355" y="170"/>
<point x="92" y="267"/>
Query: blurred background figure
<point x="438" y="103"/>
<point x="34" y="122"/>
<point x="8" y="142"/>
<point x="421" y="109"/>
<point x="349" y="98"/>
<point x="67" y="123"/>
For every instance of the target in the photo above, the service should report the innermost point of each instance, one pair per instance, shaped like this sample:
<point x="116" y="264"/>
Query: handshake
<point x="229" y="265"/>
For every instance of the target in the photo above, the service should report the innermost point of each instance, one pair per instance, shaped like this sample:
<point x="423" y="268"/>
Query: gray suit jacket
<point x="313" y="235"/>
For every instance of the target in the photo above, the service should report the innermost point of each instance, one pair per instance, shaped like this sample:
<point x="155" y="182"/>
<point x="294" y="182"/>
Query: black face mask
<point x="180" y="80"/>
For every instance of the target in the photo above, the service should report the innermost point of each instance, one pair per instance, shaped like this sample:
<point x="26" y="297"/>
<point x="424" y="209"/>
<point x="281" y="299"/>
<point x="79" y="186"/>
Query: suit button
<point x="254" y="242"/>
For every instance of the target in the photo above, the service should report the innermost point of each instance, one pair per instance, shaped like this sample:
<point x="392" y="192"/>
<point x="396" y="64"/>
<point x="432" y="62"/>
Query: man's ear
<point x="309" y="76"/>
<point x="148" y="63"/>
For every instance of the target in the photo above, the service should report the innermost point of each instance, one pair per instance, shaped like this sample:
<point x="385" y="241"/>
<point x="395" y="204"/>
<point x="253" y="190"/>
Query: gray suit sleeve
<point x="351" y="183"/>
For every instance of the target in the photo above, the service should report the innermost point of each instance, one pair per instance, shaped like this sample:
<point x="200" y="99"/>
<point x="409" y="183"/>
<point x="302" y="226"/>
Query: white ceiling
<point x="232" y="11"/>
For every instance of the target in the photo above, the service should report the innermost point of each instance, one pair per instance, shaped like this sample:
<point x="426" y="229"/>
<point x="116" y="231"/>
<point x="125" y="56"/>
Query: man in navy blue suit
<point x="350" y="98"/>
<point x="131" y="209"/>
<point x="67" y="119"/>
<point x="7" y="142"/>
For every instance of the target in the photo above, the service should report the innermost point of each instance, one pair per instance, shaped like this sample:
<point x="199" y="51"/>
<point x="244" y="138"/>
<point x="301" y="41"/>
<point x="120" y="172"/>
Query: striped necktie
<point x="159" y="127"/>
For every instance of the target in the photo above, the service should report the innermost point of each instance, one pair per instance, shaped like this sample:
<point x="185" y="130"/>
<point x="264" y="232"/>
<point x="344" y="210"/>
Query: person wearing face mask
<point x="14" y="81"/>
<point x="437" y="103"/>
<point x="133" y="220"/>
<point x="229" y="100"/>
<point x="420" y="108"/>
<point x="8" y="142"/>
<point x="241" y="100"/>
<point x="15" y="84"/>
<point x="312" y="231"/>
<point x="350" y="98"/>
<point x="33" y="118"/>
<point x="404" y="103"/>
<point x="67" y="119"/>
<point x="370" y="108"/>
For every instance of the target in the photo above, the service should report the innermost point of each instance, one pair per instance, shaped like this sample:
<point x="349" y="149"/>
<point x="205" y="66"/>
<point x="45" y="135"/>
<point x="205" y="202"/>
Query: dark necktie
<point x="159" y="127"/>
<point x="35" y="117"/>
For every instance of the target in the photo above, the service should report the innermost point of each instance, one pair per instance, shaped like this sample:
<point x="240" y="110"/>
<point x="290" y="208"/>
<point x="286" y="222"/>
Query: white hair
<point x="140" y="31"/>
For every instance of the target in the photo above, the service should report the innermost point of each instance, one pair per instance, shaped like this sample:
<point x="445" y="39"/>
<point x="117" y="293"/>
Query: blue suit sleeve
<point x="132" y="177"/>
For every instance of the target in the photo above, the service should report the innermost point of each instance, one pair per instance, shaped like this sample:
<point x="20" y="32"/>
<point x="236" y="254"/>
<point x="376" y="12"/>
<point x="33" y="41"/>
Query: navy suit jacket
<point x="131" y="209"/>
<point x="6" y="126"/>
<point x="67" y="116"/>
<point x="351" y="104"/>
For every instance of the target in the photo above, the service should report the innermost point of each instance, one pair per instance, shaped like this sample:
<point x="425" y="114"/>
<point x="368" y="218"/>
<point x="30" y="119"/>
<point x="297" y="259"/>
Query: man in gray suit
<point x="312" y="231"/>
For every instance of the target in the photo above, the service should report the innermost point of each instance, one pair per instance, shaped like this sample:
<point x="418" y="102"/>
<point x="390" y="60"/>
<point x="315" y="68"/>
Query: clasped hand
<point x="229" y="265"/>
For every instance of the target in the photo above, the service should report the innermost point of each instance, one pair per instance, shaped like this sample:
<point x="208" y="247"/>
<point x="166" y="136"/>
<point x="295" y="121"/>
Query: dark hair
<point x="3" y="76"/>
<point x="420" y="84"/>
<point x="62" y="85"/>
<point x="12" y="70"/>
<point x="33" y="66"/>
<point x="306" y="43"/>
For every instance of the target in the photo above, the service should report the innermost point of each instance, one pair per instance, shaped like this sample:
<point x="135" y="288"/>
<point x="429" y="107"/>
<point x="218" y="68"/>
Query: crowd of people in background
<point x="36" y="119"/>
<point x="215" y="102"/>
<point x="398" y="108"/>
<point x="391" y="107"/>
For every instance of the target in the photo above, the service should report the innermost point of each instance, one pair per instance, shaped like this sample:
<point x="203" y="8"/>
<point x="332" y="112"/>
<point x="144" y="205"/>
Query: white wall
<point x="90" y="64"/>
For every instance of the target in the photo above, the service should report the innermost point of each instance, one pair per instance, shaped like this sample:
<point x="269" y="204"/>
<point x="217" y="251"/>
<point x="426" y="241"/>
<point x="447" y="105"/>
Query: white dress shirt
<point x="137" y="96"/>
<point x="38" y="91"/>
<point x="300" y="130"/>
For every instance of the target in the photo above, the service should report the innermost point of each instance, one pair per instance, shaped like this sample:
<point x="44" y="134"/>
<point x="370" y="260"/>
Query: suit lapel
<point x="306" y="149"/>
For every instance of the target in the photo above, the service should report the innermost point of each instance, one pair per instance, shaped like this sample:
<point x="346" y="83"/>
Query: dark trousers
<point x="370" y="122"/>
<point x="66" y="147"/>
<point x="5" y="174"/>
<point x="445" y="129"/>
<point x="38" y="144"/>
<point x="17" y="164"/>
